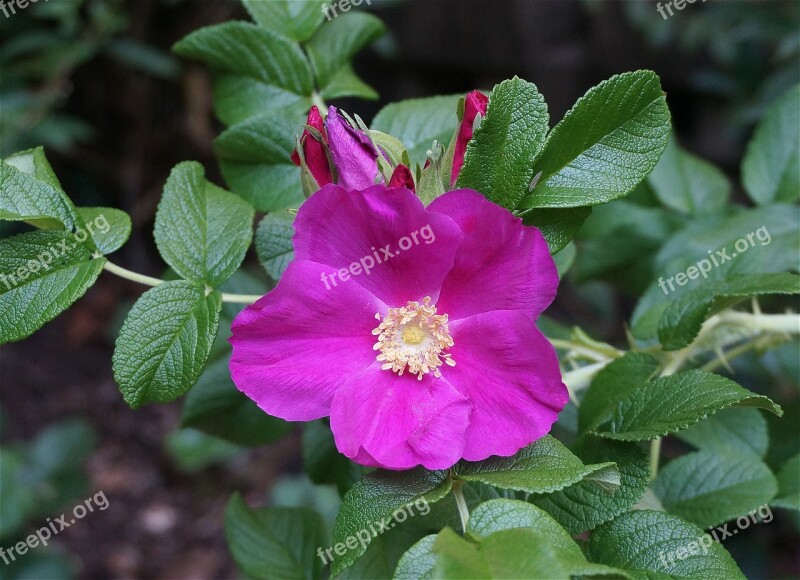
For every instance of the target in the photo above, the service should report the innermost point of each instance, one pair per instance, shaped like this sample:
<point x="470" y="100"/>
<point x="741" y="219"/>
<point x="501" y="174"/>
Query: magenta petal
<point x="354" y="156"/>
<point x="353" y="231"/>
<point x="501" y="265"/>
<point x="298" y="344"/>
<point x="509" y="372"/>
<point x="397" y="422"/>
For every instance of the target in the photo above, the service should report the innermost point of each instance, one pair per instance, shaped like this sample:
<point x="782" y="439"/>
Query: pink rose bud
<point x="354" y="155"/>
<point x="401" y="177"/>
<point x="314" y="154"/>
<point x="475" y="104"/>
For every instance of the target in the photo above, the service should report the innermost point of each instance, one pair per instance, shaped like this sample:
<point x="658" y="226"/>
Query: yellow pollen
<point x="413" y="337"/>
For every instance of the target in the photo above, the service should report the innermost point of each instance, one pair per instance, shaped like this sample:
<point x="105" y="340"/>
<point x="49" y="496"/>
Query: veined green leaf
<point x="687" y="183"/>
<point x="334" y="44"/>
<point x="30" y="192"/>
<point x="654" y="545"/>
<point x="672" y="403"/>
<point x="201" y="230"/>
<point x="250" y="50"/>
<point x="274" y="244"/>
<point x="542" y="467"/>
<point x="41" y="274"/>
<point x="585" y="504"/>
<point x="109" y="228"/>
<point x="710" y="487"/>
<point x="771" y="166"/>
<point x="605" y="145"/>
<point x="376" y="497"/>
<point x="499" y="158"/>
<point x="165" y="341"/>
<point x="295" y="20"/>
<point x="274" y="542"/>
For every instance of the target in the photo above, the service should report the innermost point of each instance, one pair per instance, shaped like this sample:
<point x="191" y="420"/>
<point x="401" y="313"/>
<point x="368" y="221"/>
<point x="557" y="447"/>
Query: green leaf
<point x="34" y="162"/>
<point x="605" y="145"/>
<point x="788" y="496"/>
<point x="613" y="384"/>
<point x="419" y="122"/>
<point x="730" y="431"/>
<point x="708" y="487"/>
<point x="274" y="244"/>
<point x="334" y="44"/>
<point x="376" y="497"/>
<point x="59" y="449"/>
<point x="585" y="505"/>
<point x="201" y="230"/>
<point x="269" y="543"/>
<point x="295" y="20"/>
<point x="558" y="226"/>
<point x="497" y="515"/>
<point x="323" y="462"/>
<point x="192" y="450"/>
<point x="564" y="259"/>
<point x="30" y="192"/>
<point x="500" y="156"/>
<point x="708" y="243"/>
<point x="507" y="529"/>
<point x="346" y="83"/>
<point x="619" y="241"/>
<point x="18" y="501"/>
<point x="252" y="51"/>
<point x="255" y="159"/>
<point x="217" y="407"/>
<point x="655" y="545"/>
<point x="542" y="467"/>
<point x="771" y="165"/>
<point x="688" y="184"/>
<point x="672" y="403"/>
<point x="419" y="562"/>
<point x="41" y="274"/>
<point x="110" y="228"/>
<point x="239" y="97"/>
<point x="165" y="341"/>
<point x="682" y="319"/>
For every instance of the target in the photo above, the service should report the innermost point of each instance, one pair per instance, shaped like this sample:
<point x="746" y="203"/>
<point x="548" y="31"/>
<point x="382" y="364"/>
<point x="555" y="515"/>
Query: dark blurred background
<point x="94" y="81"/>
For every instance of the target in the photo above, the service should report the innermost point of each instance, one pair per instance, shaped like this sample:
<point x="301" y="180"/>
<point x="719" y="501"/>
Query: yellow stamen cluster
<point x="413" y="336"/>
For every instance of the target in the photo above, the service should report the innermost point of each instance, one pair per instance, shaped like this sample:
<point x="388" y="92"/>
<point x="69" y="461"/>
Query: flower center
<point x="414" y="337"/>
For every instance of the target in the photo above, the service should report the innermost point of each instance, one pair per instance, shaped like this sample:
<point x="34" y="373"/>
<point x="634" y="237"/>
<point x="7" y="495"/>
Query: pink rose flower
<point x="412" y="327"/>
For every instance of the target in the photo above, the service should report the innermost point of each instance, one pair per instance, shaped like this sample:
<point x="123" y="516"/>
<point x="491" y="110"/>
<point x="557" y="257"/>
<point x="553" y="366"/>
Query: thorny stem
<point x="150" y="281"/>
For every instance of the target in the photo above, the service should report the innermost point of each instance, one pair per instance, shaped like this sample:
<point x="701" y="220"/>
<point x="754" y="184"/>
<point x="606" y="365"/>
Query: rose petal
<point x="298" y="344"/>
<point x="509" y="372"/>
<point x="398" y="422"/>
<point x="500" y="265"/>
<point x="340" y="228"/>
